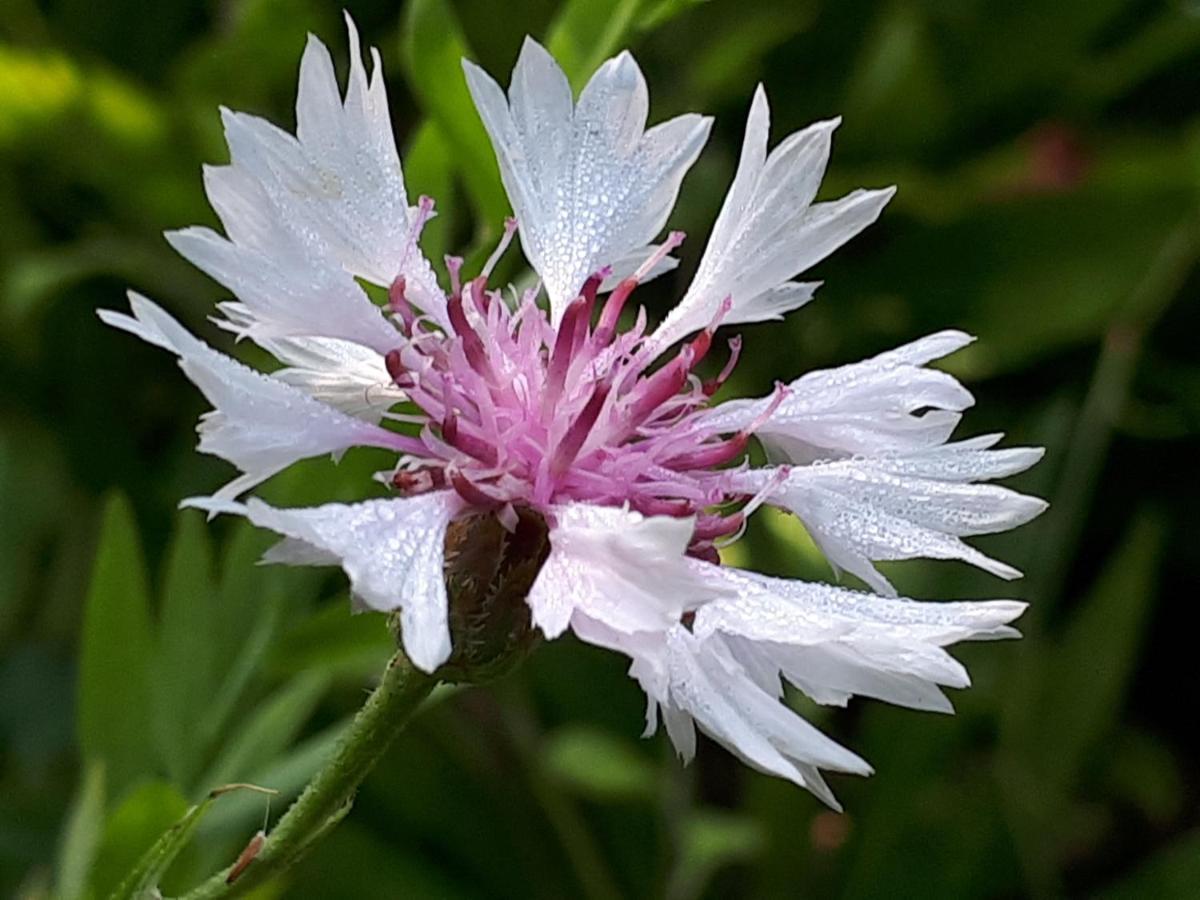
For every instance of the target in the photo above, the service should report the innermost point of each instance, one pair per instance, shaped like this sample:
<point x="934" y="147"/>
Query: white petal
<point x="769" y="230"/>
<point x="867" y="407"/>
<point x="695" y="681"/>
<point x="784" y="610"/>
<point x="589" y="185"/>
<point x="344" y="375"/>
<point x="711" y="686"/>
<point x="623" y="569"/>
<point x="338" y="186"/>
<point x="258" y="423"/>
<point x="287" y="290"/>
<point x="392" y="550"/>
<point x="833" y="643"/>
<point x="905" y="505"/>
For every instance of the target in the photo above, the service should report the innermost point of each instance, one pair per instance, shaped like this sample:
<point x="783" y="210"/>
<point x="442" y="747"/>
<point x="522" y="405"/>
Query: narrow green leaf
<point x="428" y="169"/>
<point x="212" y="722"/>
<point x="336" y="642"/>
<point x="1095" y="657"/>
<point x="143" y="879"/>
<point x="713" y="839"/>
<point x="81" y="835"/>
<point x="287" y="774"/>
<point x="586" y="33"/>
<point x="595" y="763"/>
<point x="132" y="829"/>
<point x="664" y="11"/>
<point x="186" y="675"/>
<point x="434" y="47"/>
<point x="247" y="610"/>
<point x="269" y="730"/>
<point x="1173" y="872"/>
<point x="114" y="672"/>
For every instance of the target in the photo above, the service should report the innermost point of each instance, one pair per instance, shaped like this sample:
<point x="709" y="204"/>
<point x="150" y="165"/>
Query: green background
<point x="1048" y="159"/>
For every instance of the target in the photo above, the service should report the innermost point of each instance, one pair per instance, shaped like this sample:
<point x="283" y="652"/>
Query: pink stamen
<point x="674" y="239"/>
<point x="472" y="344"/>
<point x="735" y="351"/>
<point x="711" y="455"/>
<point x="467" y="443"/>
<point x="454" y="266"/>
<point x="781" y="391"/>
<point x="712" y="527"/>
<point x="571" y="443"/>
<point x="510" y="228"/>
<point x="655" y="506"/>
<point x="419" y="481"/>
<point x="398" y="303"/>
<point x="424" y="213"/>
<point x="705" y="552"/>
<point x="469" y="491"/>
<point x="779" y="477"/>
<point x="574" y="322"/>
<point x="660" y="387"/>
<point x="479" y="293"/>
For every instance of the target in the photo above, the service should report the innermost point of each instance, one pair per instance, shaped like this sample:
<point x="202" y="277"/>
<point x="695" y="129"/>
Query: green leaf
<point x="133" y="828"/>
<point x="711" y="840"/>
<point x="143" y="879"/>
<point x="247" y="610"/>
<point x="269" y="730"/>
<point x="185" y="667"/>
<point x="1173" y="872"/>
<point x="597" y="764"/>
<point x="434" y="47"/>
<point x="896" y="99"/>
<point x="117" y="653"/>
<point x="585" y="33"/>
<point x="335" y="641"/>
<point x="81" y="835"/>
<point x="428" y="170"/>
<point x="287" y="774"/>
<point x="1096" y="655"/>
<point x="714" y="838"/>
<point x="335" y="869"/>
<point x="1067" y="697"/>
<point x="664" y="11"/>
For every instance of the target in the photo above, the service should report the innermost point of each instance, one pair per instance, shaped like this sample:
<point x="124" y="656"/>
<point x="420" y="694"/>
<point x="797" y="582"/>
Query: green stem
<point x="330" y="793"/>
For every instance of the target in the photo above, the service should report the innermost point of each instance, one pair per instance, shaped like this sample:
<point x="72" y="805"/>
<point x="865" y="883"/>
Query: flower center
<point x="521" y="411"/>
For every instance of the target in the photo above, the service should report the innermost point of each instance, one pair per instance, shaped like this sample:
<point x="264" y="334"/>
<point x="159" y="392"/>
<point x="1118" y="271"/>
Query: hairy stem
<point x="330" y="793"/>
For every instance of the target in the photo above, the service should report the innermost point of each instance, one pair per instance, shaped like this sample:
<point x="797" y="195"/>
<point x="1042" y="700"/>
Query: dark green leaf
<point x="262" y="735"/>
<point x="598" y="764"/>
<point x="434" y="48"/>
<point x="1095" y="657"/>
<point x="117" y="654"/>
<point x="586" y="33"/>
<point x="81" y="835"/>
<point x="133" y="828"/>
<point x="186" y="674"/>
<point x="428" y="169"/>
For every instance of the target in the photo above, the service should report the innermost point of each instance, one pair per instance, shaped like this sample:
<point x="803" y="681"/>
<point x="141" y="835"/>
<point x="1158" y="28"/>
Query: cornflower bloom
<point x="554" y="420"/>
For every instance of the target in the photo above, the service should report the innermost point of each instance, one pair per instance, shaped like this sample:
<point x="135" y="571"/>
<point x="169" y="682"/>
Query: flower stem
<point x="329" y="795"/>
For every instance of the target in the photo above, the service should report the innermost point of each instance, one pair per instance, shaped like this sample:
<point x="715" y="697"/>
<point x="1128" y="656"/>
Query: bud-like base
<point x="489" y="572"/>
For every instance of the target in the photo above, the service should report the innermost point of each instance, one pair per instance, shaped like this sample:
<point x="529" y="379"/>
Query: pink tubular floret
<point x="520" y="411"/>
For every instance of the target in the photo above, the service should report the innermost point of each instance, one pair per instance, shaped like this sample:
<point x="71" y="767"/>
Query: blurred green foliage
<point x="1048" y="158"/>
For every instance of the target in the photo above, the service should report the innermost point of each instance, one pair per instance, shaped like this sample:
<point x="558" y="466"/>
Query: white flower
<point x="558" y="413"/>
